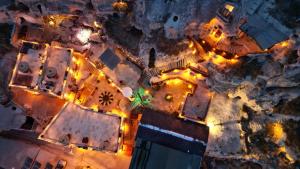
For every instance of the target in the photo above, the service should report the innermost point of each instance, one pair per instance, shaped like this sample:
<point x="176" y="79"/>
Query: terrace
<point x="171" y="89"/>
<point x="170" y="95"/>
<point x="91" y="88"/>
<point x="84" y="128"/>
<point x="28" y="67"/>
<point x="55" y="70"/>
<point x="42" y="67"/>
<point x="119" y="68"/>
<point x="32" y="102"/>
<point x="197" y="103"/>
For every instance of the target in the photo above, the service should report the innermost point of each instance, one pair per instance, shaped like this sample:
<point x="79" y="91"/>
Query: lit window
<point x="229" y="7"/>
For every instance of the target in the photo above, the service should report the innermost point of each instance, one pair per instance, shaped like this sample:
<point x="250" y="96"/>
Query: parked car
<point x="61" y="164"/>
<point x="36" y="165"/>
<point x="49" y="166"/>
<point x="27" y="163"/>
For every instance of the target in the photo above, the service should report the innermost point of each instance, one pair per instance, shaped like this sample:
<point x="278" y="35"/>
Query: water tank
<point x="51" y="72"/>
<point x="24" y="67"/>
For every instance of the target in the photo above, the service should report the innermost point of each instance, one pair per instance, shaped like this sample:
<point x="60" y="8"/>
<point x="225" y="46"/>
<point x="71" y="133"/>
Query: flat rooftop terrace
<point x="55" y="69"/>
<point x="81" y="127"/>
<point x="197" y="104"/>
<point x="28" y="66"/>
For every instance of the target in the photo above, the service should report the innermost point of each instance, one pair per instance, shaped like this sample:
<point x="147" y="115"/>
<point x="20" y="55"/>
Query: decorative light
<point x="69" y="96"/>
<point x="191" y="44"/>
<point x="276" y="131"/>
<point x="94" y="107"/>
<point x="97" y="25"/>
<point x="194" y="51"/>
<point x="214" y="130"/>
<point x="175" y="70"/>
<point x="284" y="43"/>
<point x="51" y="23"/>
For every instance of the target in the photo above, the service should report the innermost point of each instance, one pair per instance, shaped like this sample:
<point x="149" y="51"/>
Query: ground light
<point x="276" y="132"/>
<point x="120" y="6"/>
<point x="284" y="150"/>
<point x="214" y="129"/>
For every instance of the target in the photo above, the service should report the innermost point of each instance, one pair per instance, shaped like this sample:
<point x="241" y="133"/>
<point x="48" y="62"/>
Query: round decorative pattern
<point x="106" y="98"/>
<point x="24" y="67"/>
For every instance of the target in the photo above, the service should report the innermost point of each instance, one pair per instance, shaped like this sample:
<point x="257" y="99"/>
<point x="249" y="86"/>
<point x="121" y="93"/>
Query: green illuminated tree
<point x="141" y="98"/>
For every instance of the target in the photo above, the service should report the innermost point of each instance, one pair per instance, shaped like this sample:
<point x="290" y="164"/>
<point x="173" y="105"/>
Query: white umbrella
<point x="127" y="92"/>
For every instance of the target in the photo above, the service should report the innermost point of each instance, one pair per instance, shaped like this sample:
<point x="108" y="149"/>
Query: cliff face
<point x="172" y="16"/>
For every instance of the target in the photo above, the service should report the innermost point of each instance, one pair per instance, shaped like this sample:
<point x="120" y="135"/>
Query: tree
<point x="141" y="98"/>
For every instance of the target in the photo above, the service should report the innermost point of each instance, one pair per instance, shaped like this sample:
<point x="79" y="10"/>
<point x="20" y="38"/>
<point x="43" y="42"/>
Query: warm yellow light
<point x="175" y="70"/>
<point x="78" y="62"/>
<point x="176" y="81"/>
<point x="218" y="59"/>
<point x="194" y="51"/>
<point x="97" y="25"/>
<point x="125" y="128"/>
<point x="191" y="44"/>
<point x="101" y="74"/>
<point x="164" y="76"/>
<point x="69" y="96"/>
<point x="215" y="38"/>
<point x="186" y="74"/>
<point x="214" y="130"/>
<point x="190" y="86"/>
<point x="208" y="56"/>
<point x="284" y="44"/>
<point x="147" y="91"/>
<point x="51" y="23"/>
<point x="74" y="59"/>
<point x="210" y="124"/>
<point x="278" y="130"/>
<point x="78" y="75"/>
<point x="94" y="107"/>
<point x="119" y="113"/>
<point x="229" y="7"/>
<point x="121" y="5"/>
<point x="71" y="71"/>
<point x="233" y="61"/>
<point x="282" y="149"/>
<point x="121" y="151"/>
<point x="275" y="131"/>
<point x="77" y="101"/>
